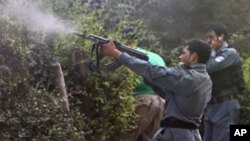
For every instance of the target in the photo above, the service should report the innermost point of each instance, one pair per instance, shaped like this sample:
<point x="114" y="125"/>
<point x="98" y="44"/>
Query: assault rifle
<point x="99" y="41"/>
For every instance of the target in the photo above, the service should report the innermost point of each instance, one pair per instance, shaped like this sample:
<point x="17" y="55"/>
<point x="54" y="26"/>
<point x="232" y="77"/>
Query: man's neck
<point x="224" y="45"/>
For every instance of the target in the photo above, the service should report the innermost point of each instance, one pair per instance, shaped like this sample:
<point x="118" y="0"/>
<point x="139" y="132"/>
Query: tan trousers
<point x="150" y="110"/>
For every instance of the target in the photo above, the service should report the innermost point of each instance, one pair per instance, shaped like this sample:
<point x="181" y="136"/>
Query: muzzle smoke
<point x="29" y="14"/>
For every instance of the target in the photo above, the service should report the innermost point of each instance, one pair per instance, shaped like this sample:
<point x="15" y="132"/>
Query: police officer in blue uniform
<point x="187" y="87"/>
<point x="224" y="67"/>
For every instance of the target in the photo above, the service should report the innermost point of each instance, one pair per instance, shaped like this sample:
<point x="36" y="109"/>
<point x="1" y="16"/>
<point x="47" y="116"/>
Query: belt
<point x="220" y="99"/>
<point x="173" y="122"/>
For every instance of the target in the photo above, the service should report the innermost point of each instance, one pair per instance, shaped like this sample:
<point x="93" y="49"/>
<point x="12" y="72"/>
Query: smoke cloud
<point x="34" y="18"/>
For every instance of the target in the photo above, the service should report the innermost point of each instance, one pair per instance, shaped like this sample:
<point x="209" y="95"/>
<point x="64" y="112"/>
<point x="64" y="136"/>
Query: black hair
<point x="202" y="49"/>
<point x="219" y="29"/>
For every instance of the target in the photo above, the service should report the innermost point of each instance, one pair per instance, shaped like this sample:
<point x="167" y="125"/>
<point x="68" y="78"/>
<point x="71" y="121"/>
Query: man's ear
<point x="194" y="57"/>
<point x="221" y="37"/>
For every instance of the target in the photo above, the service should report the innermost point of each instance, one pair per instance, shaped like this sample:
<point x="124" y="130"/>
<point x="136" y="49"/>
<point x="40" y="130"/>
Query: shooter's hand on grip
<point x="110" y="49"/>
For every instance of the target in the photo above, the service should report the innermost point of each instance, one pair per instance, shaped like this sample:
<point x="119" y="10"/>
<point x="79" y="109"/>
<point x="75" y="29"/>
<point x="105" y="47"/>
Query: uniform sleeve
<point x="227" y="58"/>
<point x="173" y="79"/>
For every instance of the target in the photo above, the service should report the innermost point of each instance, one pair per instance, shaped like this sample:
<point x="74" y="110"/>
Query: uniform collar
<point x="224" y="45"/>
<point x="198" y="66"/>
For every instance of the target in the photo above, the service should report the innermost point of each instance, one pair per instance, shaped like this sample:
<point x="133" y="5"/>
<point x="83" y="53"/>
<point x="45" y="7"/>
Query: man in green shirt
<point x="149" y="107"/>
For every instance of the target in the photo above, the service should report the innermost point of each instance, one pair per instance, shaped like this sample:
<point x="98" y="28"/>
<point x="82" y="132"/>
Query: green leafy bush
<point x="101" y="105"/>
<point x="38" y="116"/>
<point x="244" y="97"/>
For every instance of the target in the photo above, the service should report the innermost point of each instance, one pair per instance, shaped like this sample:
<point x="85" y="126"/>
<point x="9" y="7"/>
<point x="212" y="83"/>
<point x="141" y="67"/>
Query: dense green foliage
<point x="104" y="100"/>
<point x="246" y="68"/>
<point x="28" y="112"/>
<point x="244" y="97"/>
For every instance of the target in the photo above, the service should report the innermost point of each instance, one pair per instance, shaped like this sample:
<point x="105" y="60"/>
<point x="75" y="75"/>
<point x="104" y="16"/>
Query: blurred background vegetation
<point x="101" y="105"/>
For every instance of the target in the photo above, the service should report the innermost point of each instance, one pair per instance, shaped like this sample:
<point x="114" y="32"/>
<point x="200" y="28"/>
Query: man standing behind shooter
<point x="149" y="106"/>
<point x="224" y="68"/>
